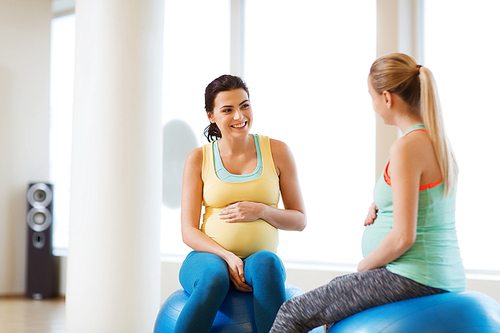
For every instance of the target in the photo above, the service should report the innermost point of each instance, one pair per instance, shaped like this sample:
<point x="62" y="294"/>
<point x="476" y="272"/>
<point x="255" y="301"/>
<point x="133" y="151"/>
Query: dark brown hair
<point x="222" y="83"/>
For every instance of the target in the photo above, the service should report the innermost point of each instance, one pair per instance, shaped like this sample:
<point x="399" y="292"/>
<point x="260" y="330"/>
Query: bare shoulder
<point x="194" y="159"/>
<point x="282" y="157"/>
<point x="280" y="150"/>
<point x="414" y="145"/>
<point x="195" y="154"/>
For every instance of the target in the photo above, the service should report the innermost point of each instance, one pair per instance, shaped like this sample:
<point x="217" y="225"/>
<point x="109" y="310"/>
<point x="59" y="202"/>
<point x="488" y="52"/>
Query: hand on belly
<point x="243" y="211"/>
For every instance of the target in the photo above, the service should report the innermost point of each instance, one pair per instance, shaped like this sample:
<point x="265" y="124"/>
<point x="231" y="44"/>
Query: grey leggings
<point x="345" y="296"/>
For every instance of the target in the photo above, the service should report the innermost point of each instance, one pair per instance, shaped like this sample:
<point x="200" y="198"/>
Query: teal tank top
<point x="226" y="176"/>
<point x="434" y="259"/>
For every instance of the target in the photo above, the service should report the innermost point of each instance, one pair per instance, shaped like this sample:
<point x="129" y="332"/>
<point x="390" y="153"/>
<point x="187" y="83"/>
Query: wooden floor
<point x="23" y="315"/>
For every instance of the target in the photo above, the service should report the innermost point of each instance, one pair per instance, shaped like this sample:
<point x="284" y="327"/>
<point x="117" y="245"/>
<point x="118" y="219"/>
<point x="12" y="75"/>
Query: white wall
<point x="24" y="125"/>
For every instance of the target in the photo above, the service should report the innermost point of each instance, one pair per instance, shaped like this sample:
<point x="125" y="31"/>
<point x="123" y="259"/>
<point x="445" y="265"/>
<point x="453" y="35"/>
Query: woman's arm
<point x="293" y="217"/>
<point x="405" y="171"/>
<point x="192" y="194"/>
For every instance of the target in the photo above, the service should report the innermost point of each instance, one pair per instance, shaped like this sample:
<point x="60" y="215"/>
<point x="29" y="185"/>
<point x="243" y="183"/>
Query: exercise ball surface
<point x="235" y="315"/>
<point x="457" y="312"/>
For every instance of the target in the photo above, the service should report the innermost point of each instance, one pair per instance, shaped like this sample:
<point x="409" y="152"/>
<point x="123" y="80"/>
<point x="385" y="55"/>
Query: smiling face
<point x="232" y="113"/>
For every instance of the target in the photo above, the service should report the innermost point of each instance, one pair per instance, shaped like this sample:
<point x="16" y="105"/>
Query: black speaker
<point x="41" y="281"/>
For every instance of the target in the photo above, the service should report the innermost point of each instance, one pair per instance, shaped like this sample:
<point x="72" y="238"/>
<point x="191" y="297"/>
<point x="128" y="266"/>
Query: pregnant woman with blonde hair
<point x="410" y="244"/>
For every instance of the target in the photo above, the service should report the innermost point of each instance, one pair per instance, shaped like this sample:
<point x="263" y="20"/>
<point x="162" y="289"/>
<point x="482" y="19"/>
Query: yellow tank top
<point x="241" y="238"/>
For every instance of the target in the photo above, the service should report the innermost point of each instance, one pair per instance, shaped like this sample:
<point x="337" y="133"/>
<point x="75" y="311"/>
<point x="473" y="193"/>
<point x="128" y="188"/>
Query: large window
<point x="461" y="48"/>
<point x="306" y="64"/>
<point x="61" y="107"/>
<point x="197" y="39"/>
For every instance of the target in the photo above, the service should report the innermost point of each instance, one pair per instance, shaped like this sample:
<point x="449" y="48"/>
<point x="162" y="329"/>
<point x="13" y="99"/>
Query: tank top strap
<point x="208" y="161"/>
<point x="265" y="165"/>
<point x="225" y="175"/>
<point x="267" y="156"/>
<point x="419" y="127"/>
<point x="387" y="178"/>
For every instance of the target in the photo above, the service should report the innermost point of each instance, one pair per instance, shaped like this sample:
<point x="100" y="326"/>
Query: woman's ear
<point x="387" y="98"/>
<point x="210" y="117"/>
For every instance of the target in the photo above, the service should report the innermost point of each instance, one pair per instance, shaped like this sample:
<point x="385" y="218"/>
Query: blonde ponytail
<point x="433" y="120"/>
<point x="399" y="73"/>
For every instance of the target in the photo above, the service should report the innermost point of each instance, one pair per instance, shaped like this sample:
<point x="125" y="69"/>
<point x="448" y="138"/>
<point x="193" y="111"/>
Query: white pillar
<point x="398" y="30"/>
<point x="113" y="281"/>
<point x="237" y="37"/>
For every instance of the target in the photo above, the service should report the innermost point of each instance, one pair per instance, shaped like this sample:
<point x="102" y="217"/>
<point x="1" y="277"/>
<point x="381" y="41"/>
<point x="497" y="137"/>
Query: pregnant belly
<point x="241" y="238"/>
<point x="374" y="234"/>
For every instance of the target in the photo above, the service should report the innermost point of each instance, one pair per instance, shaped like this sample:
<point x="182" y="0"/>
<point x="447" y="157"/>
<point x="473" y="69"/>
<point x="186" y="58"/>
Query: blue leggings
<point x="205" y="277"/>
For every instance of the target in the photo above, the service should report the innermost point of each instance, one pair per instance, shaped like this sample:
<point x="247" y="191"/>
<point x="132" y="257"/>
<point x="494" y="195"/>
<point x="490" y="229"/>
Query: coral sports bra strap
<point x="387" y="178"/>
<point x="419" y="127"/>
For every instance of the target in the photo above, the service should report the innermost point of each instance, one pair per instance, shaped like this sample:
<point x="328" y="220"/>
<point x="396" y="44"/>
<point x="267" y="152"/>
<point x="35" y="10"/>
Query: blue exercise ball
<point x="235" y="315"/>
<point x="457" y="312"/>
